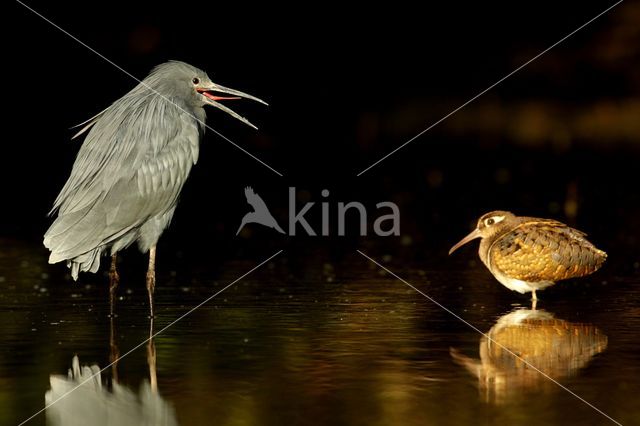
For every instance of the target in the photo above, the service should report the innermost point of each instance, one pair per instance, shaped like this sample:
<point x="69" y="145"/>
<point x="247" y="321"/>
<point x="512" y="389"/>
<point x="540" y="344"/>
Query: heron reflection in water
<point x="94" y="403"/>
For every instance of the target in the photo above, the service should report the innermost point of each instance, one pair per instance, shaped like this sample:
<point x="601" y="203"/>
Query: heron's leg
<point x="114" y="353"/>
<point x="151" y="277"/>
<point x="114" y="280"/>
<point x="151" y="360"/>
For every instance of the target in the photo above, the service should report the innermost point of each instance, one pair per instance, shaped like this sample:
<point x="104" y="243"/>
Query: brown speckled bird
<point x="529" y="254"/>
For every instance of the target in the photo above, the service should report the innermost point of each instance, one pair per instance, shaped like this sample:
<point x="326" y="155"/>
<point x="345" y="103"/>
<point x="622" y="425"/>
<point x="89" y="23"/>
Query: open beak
<point x="472" y="236"/>
<point x="211" y="96"/>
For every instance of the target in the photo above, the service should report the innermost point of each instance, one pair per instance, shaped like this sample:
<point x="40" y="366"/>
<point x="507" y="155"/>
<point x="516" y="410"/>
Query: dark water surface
<point x="314" y="339"/>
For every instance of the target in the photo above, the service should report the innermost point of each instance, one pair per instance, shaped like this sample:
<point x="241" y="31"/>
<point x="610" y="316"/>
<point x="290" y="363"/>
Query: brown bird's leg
<point x="534" y="300"/>
<point x="151" y="277"/>
<point x="114" y="280"/>
<point x="151" y="360"/>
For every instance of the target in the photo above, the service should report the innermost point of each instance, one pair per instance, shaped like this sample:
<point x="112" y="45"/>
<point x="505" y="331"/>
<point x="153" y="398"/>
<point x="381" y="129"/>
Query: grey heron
<point x="130" y="169"/>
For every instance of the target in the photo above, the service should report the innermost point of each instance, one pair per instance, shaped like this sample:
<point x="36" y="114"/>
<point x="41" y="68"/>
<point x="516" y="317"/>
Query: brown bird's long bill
<point x="472" y="236"/>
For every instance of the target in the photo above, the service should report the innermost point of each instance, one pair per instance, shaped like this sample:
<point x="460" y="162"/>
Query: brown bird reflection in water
<point x="556" y="347"/>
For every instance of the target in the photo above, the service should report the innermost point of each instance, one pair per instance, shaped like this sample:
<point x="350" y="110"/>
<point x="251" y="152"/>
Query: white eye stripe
<point x="493" y="220"/>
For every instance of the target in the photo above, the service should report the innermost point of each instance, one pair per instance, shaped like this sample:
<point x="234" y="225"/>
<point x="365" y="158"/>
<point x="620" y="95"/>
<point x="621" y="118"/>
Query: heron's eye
<point x="196" y="80"/>
<point x="490" y="221"/>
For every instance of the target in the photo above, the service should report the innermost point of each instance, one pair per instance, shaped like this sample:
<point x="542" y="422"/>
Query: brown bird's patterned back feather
<point x="544" y="250"/>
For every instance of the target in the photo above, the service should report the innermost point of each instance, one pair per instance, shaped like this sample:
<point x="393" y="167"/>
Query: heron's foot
<point x="151" y="285"/>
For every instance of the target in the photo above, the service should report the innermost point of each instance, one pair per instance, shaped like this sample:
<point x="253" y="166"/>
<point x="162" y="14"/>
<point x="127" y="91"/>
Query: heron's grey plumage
<point x="129" y="172"/>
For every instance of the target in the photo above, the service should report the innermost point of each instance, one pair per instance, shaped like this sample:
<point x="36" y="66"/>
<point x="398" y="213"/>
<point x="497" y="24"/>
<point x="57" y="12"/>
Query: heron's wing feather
<point x="125" y="207"/>
<point x="131" y="129"/>
<point x="545" y="250"/>
<point x="118" y="184"/>
<point x="87" y="123"/>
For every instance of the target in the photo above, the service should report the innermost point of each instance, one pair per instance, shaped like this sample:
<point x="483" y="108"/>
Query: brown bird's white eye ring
<point x="196" y="80"/>
<point x="493" y="220"/>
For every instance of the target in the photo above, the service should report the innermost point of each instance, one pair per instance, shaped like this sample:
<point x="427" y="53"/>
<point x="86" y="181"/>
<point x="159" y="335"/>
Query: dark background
<point x="347" y="84"/>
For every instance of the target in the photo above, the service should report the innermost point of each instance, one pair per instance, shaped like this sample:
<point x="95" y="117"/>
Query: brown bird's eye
<point x="490" y="221"/>
<point x="196" y="80"/>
